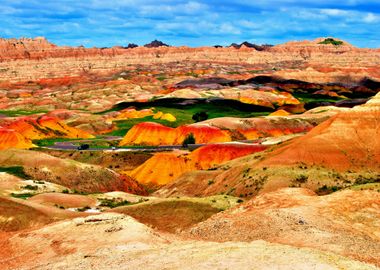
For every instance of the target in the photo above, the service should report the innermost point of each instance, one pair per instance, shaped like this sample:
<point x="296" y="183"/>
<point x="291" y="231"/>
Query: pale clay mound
<point x="345" y="222"/>
<point x="115" y="241"/>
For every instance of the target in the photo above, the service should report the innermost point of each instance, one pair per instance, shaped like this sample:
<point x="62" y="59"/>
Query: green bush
<point x="190" y="139"/>
<point x="331" y="41"/>
<point x="200" y="116"/>
<point x="30" y="187"/>
<point x="112" y="203"/>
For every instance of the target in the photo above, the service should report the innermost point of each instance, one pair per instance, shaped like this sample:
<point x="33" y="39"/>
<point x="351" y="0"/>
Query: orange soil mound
<point x="133" y="113"/>
<point x="163" y="168"/>
<point x="280" y="113"/>
<point x="344" y="222"/>
<point x="156" y="134"/>
<point x="65" y="200"/>
<point x="350" y="140"/>
<point x="10" y="138"/>
<point x="46" y="127"/>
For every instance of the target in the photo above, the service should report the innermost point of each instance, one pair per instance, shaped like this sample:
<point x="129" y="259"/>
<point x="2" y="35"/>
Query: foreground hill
<point x="72" y="174"/>
<point x="123" y="243"/>
<point x="344" y="222"/>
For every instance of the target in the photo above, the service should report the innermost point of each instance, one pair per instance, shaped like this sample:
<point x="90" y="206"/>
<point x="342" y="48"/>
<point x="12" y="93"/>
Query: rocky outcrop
<point x="155" y="44"/>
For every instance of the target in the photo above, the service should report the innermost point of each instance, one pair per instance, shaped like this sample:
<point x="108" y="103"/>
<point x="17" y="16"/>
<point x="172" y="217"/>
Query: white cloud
<point x="334" y="12"/>
<point x="228" y="28"/>
<point x="371" y="18"/>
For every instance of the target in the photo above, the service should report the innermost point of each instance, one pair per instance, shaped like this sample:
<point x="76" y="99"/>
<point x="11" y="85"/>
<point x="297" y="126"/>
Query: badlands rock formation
<point x="225" y="129"/>
<point x="339" y="152"/>
<point x="40" y="54"/>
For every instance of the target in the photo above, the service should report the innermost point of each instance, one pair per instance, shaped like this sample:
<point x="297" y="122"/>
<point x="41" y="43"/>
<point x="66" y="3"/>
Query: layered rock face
<point x="41" y="55"/>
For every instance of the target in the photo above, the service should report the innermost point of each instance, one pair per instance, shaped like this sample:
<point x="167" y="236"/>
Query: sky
<point x="105" y="23"/>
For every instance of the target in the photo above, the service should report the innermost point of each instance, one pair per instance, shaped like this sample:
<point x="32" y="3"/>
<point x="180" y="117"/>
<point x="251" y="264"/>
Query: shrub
<point x="200" y="116"/>
<point x="301" y="178"/>
<point x="112" y="203"/>
<point x="331" y="41"/>
<point x="190" y="139"/>
<point x="30" y="187"/>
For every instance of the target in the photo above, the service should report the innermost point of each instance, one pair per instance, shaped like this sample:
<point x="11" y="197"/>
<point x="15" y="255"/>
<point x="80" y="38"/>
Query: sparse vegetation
<point x="112" y="203"/>
<point x="302" y="178"/>
<point x="324" y="190"/>
<point x="83" y="209"/>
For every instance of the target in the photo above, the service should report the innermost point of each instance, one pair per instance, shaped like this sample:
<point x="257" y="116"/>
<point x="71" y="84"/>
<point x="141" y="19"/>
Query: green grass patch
<point x="183" y="115"/>
<point x="23" y="196"/>
<point x="112" y="203"/>
<point x="13" y="113"/>
<point x="310" y="98"/>
<point x="16" y="171"/>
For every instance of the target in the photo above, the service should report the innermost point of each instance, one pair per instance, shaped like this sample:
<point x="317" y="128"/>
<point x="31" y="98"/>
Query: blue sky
<point x="105" y="23"/>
